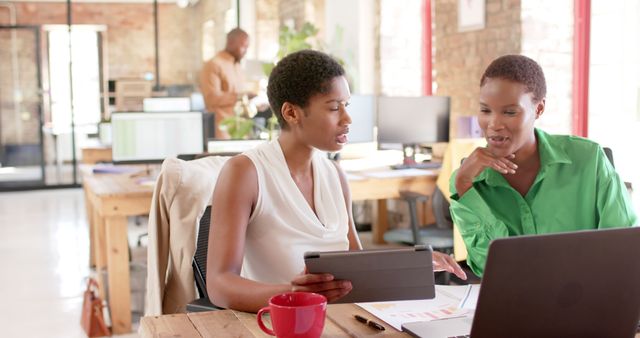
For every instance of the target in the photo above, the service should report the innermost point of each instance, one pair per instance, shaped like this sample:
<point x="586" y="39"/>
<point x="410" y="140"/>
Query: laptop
<point x="579" y="284"/>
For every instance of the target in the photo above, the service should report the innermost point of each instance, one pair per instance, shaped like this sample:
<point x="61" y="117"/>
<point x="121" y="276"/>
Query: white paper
<point x="444" y="305"/>
<point x="470" y="298"/>
<point x="400" y="173"/>
<point x="354" y="177"/>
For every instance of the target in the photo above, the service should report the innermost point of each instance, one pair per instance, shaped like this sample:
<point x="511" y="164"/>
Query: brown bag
<point x="92" y="320"/>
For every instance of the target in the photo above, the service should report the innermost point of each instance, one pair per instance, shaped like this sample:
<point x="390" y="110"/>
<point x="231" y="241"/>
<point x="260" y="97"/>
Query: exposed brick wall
<point x="129" y="52"/>
<point x="314" y="13"/>
<point x="130" y="40"/>
<point x="292" y="10"/>
<point x="21" y="127"/>
<point x="179" y="51"/>
<point x="377" y="65"/>
<point x="211" y="10"/>
<point x="263" y="37"/>
<point x="213" y="40"/>
<point x="461" y="57"/>
<point x="512" y="26"/>
<point x="301" y="11"/>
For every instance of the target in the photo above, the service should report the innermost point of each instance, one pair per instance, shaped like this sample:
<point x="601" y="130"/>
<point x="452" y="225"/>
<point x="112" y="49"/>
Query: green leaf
<point x="267" y="67"/>
<point x="237" y="127"/>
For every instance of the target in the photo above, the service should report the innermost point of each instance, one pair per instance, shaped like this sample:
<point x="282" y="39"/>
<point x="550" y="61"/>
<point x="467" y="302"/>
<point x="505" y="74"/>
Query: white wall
<point x="401" y="32"/>
<point x="350" y="35"/>
<point x="547" y="37"/>
<point x="248" y="24"/>
<point x="614" y="84"/>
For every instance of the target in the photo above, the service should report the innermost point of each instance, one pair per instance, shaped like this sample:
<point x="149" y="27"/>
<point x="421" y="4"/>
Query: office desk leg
<point x="99" y="249"/>
<point x="92" y="229"/>
<point x="380" y="223"/>
<point x="118" y="269"/>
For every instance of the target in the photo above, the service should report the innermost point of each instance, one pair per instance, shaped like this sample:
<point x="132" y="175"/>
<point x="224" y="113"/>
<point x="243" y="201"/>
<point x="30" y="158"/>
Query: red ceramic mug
<point x="295" y="315"/>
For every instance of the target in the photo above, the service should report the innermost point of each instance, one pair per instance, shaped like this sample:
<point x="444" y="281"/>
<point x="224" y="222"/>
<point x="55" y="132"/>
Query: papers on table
<point x="113" y="169"/>
<point x="146" y="181"/>
<point x="354" y="177"/>
<point x="380" y="159"/>
<point x="446" y="304"/>
<point x="470" y="298"/>
<point x="400" y="173"/>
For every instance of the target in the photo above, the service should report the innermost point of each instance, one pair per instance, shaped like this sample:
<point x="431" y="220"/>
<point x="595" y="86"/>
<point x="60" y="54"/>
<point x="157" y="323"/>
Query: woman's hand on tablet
<point x="444" y="262"/>
<point x="323" y="284"/>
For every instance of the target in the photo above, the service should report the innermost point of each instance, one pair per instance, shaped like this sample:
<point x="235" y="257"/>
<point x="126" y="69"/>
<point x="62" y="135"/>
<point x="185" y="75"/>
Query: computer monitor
<point x="151" y="137"/>
<point x="407" y="122"/>
<point x="361" y="138"/>
<point x="362" y="109"/>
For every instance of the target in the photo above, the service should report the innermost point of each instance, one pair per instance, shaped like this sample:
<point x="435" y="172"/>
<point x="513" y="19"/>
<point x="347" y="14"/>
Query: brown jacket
<point x="221" y="80"/>
<point x="183" y="190"/>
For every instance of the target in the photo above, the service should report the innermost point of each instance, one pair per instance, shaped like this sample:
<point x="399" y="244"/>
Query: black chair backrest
<point x="200" y="257"/>
<point x="609" y="154"/>
<point x="441" y="211"/>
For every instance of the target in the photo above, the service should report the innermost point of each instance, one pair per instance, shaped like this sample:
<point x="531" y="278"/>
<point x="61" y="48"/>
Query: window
<point x="614" y="83"/>
<point x="86" y="78"/>
<point x="401" y="47"/>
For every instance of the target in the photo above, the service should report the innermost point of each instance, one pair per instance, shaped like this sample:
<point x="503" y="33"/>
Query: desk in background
<point x="96" y="153"/>
<point x="376" y="185"/>
<point x="109" y="200"/>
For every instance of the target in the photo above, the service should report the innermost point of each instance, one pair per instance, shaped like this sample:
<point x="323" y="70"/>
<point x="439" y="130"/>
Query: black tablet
<point x="379" y="275"/>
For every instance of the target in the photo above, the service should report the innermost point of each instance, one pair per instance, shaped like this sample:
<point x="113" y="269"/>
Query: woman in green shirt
<point x="526" y="181"/>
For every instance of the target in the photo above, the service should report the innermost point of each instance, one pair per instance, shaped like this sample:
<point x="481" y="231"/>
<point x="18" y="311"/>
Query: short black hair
<point x="521" y="69"/>
<point x="299" y="76"/>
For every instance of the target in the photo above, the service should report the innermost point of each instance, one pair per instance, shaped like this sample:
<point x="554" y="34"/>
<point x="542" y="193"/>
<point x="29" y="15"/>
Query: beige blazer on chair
<point x="182" y="192"/>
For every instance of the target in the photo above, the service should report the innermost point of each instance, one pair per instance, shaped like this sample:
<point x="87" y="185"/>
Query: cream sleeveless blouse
<point x="283" y="226"/>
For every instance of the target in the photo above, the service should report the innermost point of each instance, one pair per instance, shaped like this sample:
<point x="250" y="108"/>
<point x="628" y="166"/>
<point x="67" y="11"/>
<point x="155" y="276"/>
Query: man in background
<point x="222" y="80"/>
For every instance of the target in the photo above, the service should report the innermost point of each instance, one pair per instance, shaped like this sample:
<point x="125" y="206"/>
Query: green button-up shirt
<point x="576" y="188"/>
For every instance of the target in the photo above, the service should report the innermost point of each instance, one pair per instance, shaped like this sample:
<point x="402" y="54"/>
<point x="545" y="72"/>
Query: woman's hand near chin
<point x="480" y="159"/>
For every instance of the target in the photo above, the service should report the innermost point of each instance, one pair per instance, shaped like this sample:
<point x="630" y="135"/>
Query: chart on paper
<point x="445" y="305"/>
<point x="413" y="315"/>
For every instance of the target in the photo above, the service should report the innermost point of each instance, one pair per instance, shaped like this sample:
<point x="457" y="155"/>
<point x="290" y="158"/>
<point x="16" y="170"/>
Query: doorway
<point x="75" y="97"/>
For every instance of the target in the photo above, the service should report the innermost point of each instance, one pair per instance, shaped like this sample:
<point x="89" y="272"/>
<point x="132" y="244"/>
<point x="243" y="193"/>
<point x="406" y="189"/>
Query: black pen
<point x="370" y="323"/>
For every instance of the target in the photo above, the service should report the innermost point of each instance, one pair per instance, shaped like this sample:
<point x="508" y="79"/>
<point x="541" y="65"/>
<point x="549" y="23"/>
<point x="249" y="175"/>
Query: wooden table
<point x="111" y="198"/>
<point x="227" y="323"/>
<point x="382" y="189"/>
<point x="96" y="153"/>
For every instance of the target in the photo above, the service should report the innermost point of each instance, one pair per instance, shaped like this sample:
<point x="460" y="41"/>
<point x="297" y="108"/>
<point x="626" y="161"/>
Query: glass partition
<point x="21" y="142"/>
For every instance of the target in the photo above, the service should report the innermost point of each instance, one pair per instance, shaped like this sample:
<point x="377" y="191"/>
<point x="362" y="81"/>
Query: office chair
<point x="199" y="264"/>
<point x="439" y="235"/>
<point x="609" y="154"/>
